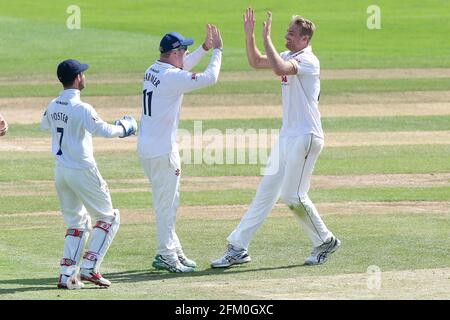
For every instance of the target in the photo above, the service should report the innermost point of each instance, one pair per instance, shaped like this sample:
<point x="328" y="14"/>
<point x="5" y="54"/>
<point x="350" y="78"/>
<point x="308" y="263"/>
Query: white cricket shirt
<point x="301" y="95"/>
<point x="164" y="86"/>
<point x="72" y="124"/>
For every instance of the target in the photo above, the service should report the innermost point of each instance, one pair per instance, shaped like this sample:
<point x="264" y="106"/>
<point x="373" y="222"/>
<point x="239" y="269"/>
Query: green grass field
<point x="386" y="198"/>
<point x="116" y="42"/>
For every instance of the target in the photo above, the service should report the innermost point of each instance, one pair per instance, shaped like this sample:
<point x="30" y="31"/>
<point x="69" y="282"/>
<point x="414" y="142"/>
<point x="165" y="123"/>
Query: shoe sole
<point x="189" y="265"/>
<point x="65" y="287"/>
<point x="98" y="283"/>
<point x="245" y="260"/>
<point x="159" y="267"/>
<point x="335" y="248"/>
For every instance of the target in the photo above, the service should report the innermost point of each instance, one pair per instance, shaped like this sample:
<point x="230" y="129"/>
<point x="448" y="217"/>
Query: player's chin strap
<point x="102" y="237"/>
<point x="74" y="243"/>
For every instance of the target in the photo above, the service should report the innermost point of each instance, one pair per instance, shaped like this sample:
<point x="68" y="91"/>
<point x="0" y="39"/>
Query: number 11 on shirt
<point x="147" y="102"/>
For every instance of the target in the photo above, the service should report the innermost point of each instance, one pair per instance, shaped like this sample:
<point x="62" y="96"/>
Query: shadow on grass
<point x="155" y="275"/>
<point x="45" y="284"/>
<point x="34" y="284"/>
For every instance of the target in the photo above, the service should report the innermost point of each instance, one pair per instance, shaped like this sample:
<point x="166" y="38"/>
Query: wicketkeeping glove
<point x="129" y="125"/>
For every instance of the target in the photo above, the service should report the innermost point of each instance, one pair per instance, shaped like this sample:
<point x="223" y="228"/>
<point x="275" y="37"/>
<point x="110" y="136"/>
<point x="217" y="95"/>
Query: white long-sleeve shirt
<point x="164" y="87"/>
<point x="72" y="124"/>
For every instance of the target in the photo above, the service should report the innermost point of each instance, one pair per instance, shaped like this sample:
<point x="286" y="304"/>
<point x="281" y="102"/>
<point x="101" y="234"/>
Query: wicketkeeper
<point x="82" y="192"/>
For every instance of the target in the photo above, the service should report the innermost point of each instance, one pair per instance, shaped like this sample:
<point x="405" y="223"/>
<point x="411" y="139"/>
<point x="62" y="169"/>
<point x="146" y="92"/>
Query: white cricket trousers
<point x="163" y="173"/>
<point x="80" y="190"/>
<point x="288" y="174"/>
<point x="83" y="194"/>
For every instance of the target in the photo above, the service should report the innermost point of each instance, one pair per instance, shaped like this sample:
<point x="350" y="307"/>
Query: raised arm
<point x="188" y="81"/>
<point x="279" y="66"/>
<point x="255" y="58"/>
<point x="192" y="59"/>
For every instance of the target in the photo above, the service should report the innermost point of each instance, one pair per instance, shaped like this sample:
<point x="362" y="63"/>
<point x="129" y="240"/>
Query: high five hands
<point x="216" y="38"/>
<point x="207" y="44"/>
<point x="249" y="23"/>
<point x="267" y="25"/>
<point x="213" y="38"/>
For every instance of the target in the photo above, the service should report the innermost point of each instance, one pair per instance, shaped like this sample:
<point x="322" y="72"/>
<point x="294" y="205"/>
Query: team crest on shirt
<point x="284" y="81"/>
<point x="177" y="172"/>
<point x="194" y="76"/>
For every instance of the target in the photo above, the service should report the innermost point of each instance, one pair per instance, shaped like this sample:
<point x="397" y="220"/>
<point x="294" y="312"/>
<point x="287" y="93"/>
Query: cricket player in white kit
<point x="300" y="142"/>
<point x="165" y="82"/>
<point x="82" y="192"/>
<point x="3" y="126"/>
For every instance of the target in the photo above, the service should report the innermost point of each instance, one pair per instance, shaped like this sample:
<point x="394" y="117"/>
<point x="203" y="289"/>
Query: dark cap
<point x="69" y="69"/>
<point x="172" y="41"/>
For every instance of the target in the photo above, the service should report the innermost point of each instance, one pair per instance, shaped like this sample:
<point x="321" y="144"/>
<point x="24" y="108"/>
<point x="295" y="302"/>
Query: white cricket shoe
<point x="70" y="282"/>
<point x="162" y="263"/>
<point x="94" y="277"/>
<point x="232" y="256"/>
<point x="185" y="260"/>
<point x="320" y="254"/>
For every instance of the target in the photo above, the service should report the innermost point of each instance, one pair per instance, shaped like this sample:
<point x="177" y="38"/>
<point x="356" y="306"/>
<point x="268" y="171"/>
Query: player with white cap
<point x="165" y="82"/>
<point x="81" y="190"/>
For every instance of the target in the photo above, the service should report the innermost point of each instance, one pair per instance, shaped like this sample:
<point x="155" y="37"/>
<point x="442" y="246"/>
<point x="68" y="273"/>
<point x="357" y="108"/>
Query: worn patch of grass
<point x="332" y="161"/>
<point x="328" y="87"/>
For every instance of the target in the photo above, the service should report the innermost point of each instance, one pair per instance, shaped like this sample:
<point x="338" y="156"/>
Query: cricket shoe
<point x="185" y="260"/>
<point x="70" y="282"/>
<point x="94" y="277"/>
<point x="320" y="254"/>
<point x="162" y="263"/>
<point x="232" y="256"/>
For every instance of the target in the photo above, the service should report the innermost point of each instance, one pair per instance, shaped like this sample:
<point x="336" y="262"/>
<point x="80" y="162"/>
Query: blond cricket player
<point x="82" y="192"/>
<point x="300" y="142"/>
<point x="165" y="83"/>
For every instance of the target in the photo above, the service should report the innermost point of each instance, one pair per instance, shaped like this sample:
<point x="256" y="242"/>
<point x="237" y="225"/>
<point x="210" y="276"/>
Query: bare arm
<point x="279" y="66"/>
<point x="255" y="58"/>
